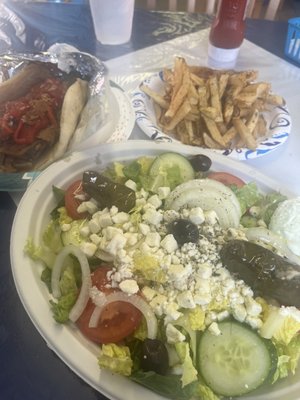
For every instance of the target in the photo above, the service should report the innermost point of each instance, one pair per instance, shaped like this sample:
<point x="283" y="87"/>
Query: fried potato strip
<point x="213" y="108"/>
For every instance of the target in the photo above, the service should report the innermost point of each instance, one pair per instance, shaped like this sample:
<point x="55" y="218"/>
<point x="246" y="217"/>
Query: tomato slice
<point x="72" y="202"/>
<point x="118" y="319"/>
<point x="226" y="178"/>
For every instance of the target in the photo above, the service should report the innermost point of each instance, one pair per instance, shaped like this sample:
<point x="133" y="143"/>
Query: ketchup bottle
<point x="227" y="34"/>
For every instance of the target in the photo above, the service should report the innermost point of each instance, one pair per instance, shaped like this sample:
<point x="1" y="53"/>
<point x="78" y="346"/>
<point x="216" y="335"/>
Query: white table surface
<point x="282" y="164"/>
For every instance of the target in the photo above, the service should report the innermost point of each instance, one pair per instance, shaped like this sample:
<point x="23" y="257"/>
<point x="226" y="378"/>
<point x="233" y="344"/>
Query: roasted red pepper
<point x="24" y="118"/>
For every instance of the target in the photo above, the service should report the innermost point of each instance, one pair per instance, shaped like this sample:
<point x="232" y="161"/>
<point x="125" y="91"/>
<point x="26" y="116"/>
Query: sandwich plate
<point x="124" y="120"/>
<point x="278" y="123"/>
<point x="31" y="218"/>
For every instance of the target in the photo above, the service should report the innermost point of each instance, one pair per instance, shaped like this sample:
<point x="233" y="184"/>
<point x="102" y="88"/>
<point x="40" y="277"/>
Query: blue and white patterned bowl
<point x="278" y="123"/>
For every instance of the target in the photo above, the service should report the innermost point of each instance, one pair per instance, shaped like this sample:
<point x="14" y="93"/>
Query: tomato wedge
<point x="72" y="202"/>
<point x="226" y="178"/>
<point x="118" y="319"/>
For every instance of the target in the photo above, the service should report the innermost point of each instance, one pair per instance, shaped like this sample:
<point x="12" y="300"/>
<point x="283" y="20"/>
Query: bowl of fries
<point x="228" y="111"/>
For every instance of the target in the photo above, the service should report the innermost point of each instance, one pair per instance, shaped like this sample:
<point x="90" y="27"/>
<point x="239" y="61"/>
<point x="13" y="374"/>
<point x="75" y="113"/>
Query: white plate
<point x="120" y="132"/>
<point x="278" y="122"/>
<point x="30" y="220"/>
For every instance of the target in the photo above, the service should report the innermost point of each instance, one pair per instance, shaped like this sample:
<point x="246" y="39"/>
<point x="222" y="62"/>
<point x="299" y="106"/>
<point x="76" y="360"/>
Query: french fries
<point x="214" y="109"/>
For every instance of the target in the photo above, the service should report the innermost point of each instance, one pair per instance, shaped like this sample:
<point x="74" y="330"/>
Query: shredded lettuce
<point x="196" y="319"/>
<point x="51" y="236"/>
<point x="288" y="358"/>
<point x="63" y="306"/>
<point x="39" y="253"/>
<point x="248" y="195"/>
<point x="189" y="372"/>
<point x="69" y="283"/>
<point x="116" y="358"/>
<point x="203" y="392"/>
<point x="148" y="267"/>
<point x="169" y="386"/>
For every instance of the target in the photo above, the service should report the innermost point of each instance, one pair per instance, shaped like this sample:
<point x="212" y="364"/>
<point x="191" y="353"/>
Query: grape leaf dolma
<point x="267" y="273"/>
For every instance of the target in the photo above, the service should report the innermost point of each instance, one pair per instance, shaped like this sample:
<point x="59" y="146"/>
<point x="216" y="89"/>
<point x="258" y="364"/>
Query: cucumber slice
<point x="170" y="169"/>
<point x="237" y="361"/>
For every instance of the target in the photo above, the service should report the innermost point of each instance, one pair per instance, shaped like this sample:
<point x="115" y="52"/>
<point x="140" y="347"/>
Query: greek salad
<point x="184" y="277"/>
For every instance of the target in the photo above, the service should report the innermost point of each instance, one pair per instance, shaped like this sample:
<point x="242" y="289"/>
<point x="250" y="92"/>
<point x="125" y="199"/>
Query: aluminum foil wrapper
<point x="96" y="115"/>
<point x="96" y="122"/>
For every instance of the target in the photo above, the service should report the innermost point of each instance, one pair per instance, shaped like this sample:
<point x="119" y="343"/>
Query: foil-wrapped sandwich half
<point x="49" y="105"/>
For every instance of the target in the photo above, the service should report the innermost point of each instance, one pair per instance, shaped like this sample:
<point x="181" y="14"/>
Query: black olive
<point x="200" y="163"/>
<point x="184" y="231"/>
<point x="154" y="356"/>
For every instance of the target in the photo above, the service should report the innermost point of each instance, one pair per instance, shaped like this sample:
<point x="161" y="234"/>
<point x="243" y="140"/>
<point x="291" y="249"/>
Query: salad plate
<point x="278" y="122"/>
<point x="30" y="221"/>
<point x="124" y="120"/>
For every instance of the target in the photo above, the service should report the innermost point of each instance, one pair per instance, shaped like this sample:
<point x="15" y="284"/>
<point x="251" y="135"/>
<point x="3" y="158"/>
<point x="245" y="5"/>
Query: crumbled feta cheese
<point x="157" y="303"/>
<point x="143" y="194"/>
<point x="129" y="286"/>
<point x="131" y="184"/>
<point x="196" y="215"/>
<point x="148" y="292"/>
<point x="171" y="311"/>
<point x="116" y="243"/>
<point x="111" y="231"/>
<point x="253" y="307"/>
<point x="94" y="226"/>
<point x="95" y="239"/>
<point x="140" y="202"/>
<point x="211" y="217"/>
<point x="176" y="272"/>
<point x="81" y="196"/>
<point x="155" y="201"/>
<point x="254" y="322"/>
<point x="120" y="217"/>
<point x="185" y="299"/>
<point x="174" y="335"/>
<point x="214" y="329"/>
<point x="84" y="231"/>
<point x="144" y="229"/>
<point x="105" y="220"/>
<point x="169" y="243"/>
<point x="163" y="192"/>
<point x="82" y="207"/>
<point x="132" y="238"/>
<point x="152" y="239"/>
<point x="239" y="312"/>
<point x="89" y="206"/>
<point x="97" y="297"/>
<point x="171" y="215"/>
<point x="222" y="315"/>
<point x="145" y="248"/>
<point x="204" y="270"/>
<point x="88" y="248"/>
<point x="65" y="227"/>
<point x="113" y="210"/>
<point x="152" y="216"/>
<point x="202" y="298"/>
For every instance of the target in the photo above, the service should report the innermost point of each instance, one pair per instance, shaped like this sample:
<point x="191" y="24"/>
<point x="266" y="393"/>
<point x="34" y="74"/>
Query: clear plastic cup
<point x="112" y="20"/>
